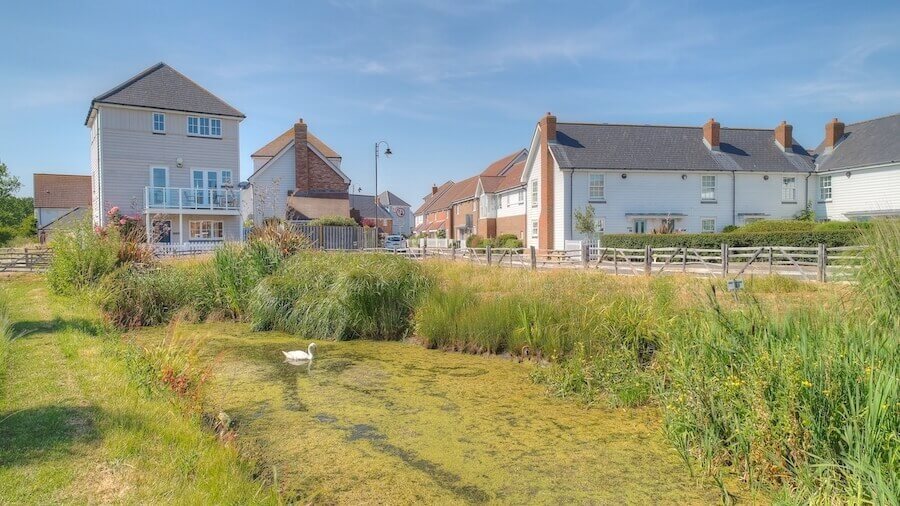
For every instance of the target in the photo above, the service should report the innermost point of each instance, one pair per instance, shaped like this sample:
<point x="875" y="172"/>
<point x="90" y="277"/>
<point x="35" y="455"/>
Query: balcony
<point x="207" y="200"/>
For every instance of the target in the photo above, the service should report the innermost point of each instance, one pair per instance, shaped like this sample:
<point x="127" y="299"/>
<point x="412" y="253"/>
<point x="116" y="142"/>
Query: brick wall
<point x="512" y="225"/>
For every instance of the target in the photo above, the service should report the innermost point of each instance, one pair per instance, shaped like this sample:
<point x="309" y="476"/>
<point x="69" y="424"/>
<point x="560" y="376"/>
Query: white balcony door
<point x="207" y="185"/>
<point x="159" y="180"/>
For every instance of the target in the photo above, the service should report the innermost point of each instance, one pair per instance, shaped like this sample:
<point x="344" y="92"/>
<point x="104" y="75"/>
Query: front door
<point x="640" y="226"/>
<point x="162" y="231"/>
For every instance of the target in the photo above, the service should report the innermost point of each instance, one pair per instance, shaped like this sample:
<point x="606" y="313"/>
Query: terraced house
<point x="641" y="178"/>
<point x="166" y="149"/>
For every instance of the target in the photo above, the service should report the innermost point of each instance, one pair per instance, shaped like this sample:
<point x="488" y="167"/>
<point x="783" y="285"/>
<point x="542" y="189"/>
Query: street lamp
<point x="387" y="153"/>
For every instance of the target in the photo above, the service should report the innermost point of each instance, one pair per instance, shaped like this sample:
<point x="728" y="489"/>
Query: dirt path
<point x="376" y="422"/>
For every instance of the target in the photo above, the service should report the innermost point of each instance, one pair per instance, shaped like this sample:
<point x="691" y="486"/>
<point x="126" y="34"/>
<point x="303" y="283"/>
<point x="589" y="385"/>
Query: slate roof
<point x="870" y="142"/>
<point x="62" y="190"/>
<point x="365" y="204"/>
<point x="277" y="144"/>
<point x="162" y="87"/>
<point x="388" y="198"/>
<point x="650" y="147"/>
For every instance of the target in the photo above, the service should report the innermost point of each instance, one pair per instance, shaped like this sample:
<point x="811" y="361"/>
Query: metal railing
<point x="169" y="198"/>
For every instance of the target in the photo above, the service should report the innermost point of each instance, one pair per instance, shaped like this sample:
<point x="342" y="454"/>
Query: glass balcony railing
<point x="219" y="199"/>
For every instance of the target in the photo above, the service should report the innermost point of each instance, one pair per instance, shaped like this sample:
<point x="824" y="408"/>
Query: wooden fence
<point x="24" y="259"/>
<point x="339" y="238"/>
<point x="809" y="263"/>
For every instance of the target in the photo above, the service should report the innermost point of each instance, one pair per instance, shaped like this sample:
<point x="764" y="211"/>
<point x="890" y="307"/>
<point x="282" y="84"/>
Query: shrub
<point x="81" y="257"/>
<point x="334" y="221"/>
<point x="474" y="241"/>
<point x="730" y="228"/>
<point x="738" y="238"/>
<point x="779" y="226"/>
<point x="340" y="296"/>
<point x="508" y="241"/>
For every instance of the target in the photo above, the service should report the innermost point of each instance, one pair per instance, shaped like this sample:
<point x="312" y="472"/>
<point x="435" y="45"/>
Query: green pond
<point x="388" y="422"/>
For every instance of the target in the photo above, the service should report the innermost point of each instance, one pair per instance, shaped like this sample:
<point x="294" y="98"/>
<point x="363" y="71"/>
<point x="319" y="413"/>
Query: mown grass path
<point x="389" y="422"/>
<point x="76" y="428"/>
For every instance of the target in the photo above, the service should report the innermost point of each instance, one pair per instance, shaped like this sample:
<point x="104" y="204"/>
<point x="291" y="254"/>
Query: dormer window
<point x="204" y="127"/>
<point x="159" y="123"/>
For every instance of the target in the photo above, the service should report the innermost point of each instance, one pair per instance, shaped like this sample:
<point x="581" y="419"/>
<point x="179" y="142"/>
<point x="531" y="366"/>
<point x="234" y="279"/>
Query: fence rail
<point x="339" y="238"/>
<point x="24" y="259"/>
<point x="817" y="263"/>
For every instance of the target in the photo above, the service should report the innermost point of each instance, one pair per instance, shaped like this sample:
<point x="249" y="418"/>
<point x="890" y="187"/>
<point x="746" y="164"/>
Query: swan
<point x="300" y="354"/>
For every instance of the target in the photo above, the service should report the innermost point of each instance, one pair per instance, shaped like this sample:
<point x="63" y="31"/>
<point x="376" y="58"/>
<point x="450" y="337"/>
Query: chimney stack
<point x="834" y="130"/>
<point x="711" y="134"/>
<point x="301" y="157"/>
<point x="433" y="189"/>
<point x="548" y="124"/>
<point x="783" y="136"/>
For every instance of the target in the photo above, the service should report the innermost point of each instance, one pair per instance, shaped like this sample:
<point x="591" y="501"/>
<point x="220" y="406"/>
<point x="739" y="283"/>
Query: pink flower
<point x="123" y="221"/>
<point x="113" y="210"/>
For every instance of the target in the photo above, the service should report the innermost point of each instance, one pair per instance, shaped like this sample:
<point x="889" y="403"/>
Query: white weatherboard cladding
<point x="130" y="148"/>
<point x="755" y="194"/>
<point x="561" y="217"/>
<point x="96" y="206"/>
<point x="512" y="206"/>
<point x="534" y="211"/>
<point x="867" y="189"/>
<point x="652" y="192"/>
<point x="270" y="187"/>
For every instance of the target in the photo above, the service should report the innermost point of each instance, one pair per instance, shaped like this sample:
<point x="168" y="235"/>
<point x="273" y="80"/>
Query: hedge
<point x="831" y="239"/>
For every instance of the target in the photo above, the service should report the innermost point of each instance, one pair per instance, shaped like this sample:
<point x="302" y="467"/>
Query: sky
<point x="451" y="85"/>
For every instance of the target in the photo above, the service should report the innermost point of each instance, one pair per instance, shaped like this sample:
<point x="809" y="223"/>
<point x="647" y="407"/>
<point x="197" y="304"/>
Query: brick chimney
<point x="783" y="136"/>
<point x="301" y="157"/>
<point x="433" y="189"/>
<point x="834" y="130"/>
<point x="545" y="219"/>
<point x="711" y="134"/>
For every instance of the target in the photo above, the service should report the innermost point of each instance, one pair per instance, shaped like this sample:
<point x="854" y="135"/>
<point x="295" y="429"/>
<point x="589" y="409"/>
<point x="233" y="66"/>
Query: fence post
<point x="684" y="252"/>
<point x="533" y="257"/>
<point x="487" y="254"/>
<point x="823" y="262"/>
<point x="648" y="259"/>
<point x="27" y="260"/>
<point x="771" y="261"/>
<point x="585" y="253"/>
<point x="453" y="253"/>
<point x="724" y="260"/>
<point x="616" y="261"/>
<point x="424" y="248"/>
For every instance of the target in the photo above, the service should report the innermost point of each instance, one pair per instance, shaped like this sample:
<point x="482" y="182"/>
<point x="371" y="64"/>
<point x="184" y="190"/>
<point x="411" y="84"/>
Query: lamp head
<point x="388" y="152"/>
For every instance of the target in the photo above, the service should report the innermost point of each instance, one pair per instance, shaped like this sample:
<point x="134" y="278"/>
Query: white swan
<point x="300" y="354"/>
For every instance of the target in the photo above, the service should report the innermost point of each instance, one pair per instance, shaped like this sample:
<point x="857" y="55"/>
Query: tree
<point x="586" y="222"/>
<point x="12" y="209"/>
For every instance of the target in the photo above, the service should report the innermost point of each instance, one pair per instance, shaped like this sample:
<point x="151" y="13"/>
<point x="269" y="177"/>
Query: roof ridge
<point x="647" y="125"/>
<point x="195" y="83"/>
<point x="875" y="119"/>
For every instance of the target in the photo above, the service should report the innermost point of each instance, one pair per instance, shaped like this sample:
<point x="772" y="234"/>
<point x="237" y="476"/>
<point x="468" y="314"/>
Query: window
<point x="708" y="225"/>
<point x="204" y="127"/>
<point x="708" y="188"/>
<point x="534" y="194"/>
<point x="596" y="187"/>
<point x="789" y="189"/>
<point x="640" y="226"/>
<point x="207" y="229"/>
<point x="159" y="123"/>
<point x="226" y="178"/>
<point x="534" y="229"/>
<point x="825" y="188"/>
<point x="159" y="177"/>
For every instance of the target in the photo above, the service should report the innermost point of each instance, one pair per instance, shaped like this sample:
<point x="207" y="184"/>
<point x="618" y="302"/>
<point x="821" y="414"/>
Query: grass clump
<point x="6" y="333"/>
<point x="81" y="257"/>
<point x="339" y="296"/>
<point x="136" y="297"/>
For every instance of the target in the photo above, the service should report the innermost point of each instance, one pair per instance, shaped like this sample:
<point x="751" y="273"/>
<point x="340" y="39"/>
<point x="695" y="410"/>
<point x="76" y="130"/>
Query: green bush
<point x="739" y="238"/>
<point x="729" y="228"/>
<point x="81" y="257"/>
<point x="779" y="226"/>
<point x="334" y="221"/>
<point x="508" y="241"/>
<point x="339" y="296"/>
<point x="134" y="297"/>
<point x="474" y="241"/>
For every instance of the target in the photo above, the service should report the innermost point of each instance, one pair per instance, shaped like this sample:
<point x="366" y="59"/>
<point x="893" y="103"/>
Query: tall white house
<point x="858" y="170"/>
<point x="165" y="149"/>
<point x="640" y="178"/>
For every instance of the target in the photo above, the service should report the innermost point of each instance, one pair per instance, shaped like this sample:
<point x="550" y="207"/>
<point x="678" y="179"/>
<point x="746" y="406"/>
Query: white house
<point x="858" y="170"/>
<point x="644" y="177"/>
<point x="297" y="176"/>
<point x="166" y="149"/>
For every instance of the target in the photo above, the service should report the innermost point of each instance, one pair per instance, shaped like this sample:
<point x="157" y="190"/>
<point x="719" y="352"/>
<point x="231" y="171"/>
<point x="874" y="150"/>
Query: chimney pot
<point x="711" y="130"/>
<point x="834" y="130"/>
<point x="784" y="135"/>
<point x="433" y="189"/>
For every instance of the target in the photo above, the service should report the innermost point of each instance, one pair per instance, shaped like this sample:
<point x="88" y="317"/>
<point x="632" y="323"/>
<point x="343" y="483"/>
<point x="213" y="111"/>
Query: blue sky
<point x="451" y="84"/>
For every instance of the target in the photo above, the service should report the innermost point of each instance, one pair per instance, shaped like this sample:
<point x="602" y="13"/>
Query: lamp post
<point x="387" y="153"/>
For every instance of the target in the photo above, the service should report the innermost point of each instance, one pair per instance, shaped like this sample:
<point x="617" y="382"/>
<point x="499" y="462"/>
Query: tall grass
<point x="6" y="334"/>
<point x="339" y="296"/>
<point x="81" y="257"/>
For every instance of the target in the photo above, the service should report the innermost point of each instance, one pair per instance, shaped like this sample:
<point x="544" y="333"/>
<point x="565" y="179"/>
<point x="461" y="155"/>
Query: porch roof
<point x="655" y="215"/>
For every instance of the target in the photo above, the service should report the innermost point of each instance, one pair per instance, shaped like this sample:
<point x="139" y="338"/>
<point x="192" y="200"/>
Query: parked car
<point x="394" y="242"/>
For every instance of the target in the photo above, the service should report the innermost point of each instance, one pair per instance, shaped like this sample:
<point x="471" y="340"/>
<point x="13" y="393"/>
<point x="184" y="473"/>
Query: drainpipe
<point x="806" y="191"/>
<point x="571" y="218"/>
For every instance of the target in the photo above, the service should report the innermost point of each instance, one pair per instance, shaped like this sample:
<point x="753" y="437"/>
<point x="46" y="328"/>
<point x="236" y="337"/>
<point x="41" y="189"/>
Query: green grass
<point x="77" y="426"/>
